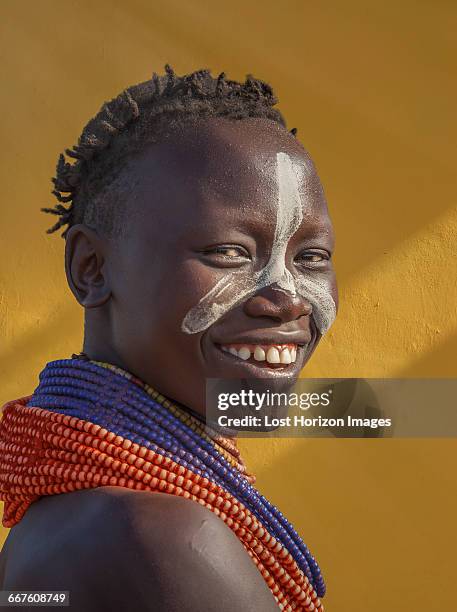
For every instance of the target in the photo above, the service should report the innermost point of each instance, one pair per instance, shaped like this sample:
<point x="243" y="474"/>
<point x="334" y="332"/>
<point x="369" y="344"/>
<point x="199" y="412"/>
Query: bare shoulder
<point x="114" y="548"/>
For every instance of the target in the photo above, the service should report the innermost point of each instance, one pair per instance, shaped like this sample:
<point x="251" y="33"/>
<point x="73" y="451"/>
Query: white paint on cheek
<point x="237" y="286"/>
<point x="211" y="307"/>
<point x="226" y="293"/>
<point x="318" y="295"/>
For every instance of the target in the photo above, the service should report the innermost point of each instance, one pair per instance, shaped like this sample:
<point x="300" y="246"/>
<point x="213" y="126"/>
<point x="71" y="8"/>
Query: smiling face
<point x="224" y="269"/>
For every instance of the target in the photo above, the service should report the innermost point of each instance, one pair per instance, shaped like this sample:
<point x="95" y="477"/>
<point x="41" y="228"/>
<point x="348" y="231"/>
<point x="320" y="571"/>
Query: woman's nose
<point x="277" y="304"/>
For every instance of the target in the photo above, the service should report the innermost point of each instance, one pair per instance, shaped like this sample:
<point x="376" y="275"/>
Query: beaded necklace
<point x="126" y="424"/>
<point x="226" y="446"/>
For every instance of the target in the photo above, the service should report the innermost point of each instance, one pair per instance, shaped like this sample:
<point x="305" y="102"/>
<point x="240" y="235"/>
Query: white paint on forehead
<point x="288" y="219"/>
<point x="237" y="285"/>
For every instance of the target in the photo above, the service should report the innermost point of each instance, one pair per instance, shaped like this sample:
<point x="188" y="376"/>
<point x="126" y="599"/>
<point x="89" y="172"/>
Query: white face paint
<point x="240" y="284"/>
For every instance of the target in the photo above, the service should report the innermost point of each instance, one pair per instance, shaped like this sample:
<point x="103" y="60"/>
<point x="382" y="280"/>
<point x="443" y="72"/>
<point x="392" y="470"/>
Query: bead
<point x="155" y="446"/>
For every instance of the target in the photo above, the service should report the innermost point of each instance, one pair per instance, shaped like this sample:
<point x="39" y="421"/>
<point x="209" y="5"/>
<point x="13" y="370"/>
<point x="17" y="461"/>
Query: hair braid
<point x="139" y="115"/>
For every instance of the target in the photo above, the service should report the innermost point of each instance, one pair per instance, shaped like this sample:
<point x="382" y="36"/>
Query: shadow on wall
<point x="355" y="502"/>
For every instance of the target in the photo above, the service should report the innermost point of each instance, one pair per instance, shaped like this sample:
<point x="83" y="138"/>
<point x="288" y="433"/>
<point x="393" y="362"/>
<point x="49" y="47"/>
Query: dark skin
<point x="204" y="202"/>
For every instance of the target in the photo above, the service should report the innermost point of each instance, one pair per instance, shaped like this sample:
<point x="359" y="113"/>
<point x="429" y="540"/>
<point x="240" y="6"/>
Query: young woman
<point x="198" y="242"/>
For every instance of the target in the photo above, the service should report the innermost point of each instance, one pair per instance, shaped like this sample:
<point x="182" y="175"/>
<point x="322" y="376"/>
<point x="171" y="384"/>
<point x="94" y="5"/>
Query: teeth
<point x="285" y="356"/>
<point x="273" y="355"/>
<point x="259" y="354"/>
<point x="244" y="353"/>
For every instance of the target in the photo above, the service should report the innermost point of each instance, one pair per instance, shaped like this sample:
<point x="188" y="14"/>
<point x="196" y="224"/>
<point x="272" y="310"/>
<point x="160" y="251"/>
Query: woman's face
<point x="224" y="269"/>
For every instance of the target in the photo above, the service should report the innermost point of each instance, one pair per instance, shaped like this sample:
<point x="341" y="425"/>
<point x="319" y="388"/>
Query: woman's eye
<point x="229" y="251"/>
<point x="227" y="254"/>
<point x="313" y="257"/>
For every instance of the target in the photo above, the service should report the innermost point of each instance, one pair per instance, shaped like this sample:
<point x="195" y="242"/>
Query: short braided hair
<point x="142" y="114"/>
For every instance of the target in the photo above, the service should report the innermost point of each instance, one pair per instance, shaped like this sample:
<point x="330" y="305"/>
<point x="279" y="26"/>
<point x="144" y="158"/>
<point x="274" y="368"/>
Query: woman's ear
<point x="85" y="266"/>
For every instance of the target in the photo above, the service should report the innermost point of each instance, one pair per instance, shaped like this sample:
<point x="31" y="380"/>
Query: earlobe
<point x="85" y="267"/>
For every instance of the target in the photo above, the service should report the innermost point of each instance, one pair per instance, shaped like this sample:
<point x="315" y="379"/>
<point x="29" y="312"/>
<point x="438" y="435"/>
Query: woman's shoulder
<point x="113" y="544"/>
<point x="100" y="519"/>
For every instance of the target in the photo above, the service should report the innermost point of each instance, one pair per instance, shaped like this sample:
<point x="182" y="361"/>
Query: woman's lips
<point x="266" y="352"/>
<point x="271" y="354"/>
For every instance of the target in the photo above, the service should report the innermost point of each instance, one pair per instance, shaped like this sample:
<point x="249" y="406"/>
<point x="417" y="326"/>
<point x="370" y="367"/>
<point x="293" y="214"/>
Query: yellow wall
<point x="371" y="88"/>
